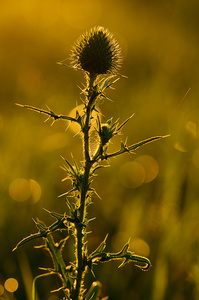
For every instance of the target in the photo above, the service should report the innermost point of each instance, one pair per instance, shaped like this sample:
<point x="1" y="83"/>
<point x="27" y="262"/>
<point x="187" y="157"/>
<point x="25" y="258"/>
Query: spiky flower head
<point x="96" y="52"/>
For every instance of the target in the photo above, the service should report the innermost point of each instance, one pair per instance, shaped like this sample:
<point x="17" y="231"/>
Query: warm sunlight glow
<point x="22" y="189"/>
<point x="84" y="15"/>
<point x="55" y="141"/>
<point x="19" y="189"/>
<point x="35" y="190"/>
<point x="150" y="165"/>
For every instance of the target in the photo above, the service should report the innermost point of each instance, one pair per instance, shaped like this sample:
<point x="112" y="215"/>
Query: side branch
<point x="129" y="149"/>
<point x="50" y="113"/>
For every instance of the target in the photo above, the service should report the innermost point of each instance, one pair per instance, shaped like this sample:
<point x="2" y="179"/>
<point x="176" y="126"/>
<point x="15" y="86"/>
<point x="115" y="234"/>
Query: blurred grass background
<point x="153" y="196"/>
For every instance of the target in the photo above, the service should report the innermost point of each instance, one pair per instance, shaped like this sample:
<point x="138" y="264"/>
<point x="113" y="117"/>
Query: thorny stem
<point x="80" y="226"/>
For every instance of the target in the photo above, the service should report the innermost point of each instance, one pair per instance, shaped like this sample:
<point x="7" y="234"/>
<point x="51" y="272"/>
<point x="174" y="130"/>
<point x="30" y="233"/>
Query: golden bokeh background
<point x="151" y="196"/>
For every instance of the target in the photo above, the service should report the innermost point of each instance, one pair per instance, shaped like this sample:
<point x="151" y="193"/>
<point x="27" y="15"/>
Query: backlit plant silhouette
<point x="98" y="55"/>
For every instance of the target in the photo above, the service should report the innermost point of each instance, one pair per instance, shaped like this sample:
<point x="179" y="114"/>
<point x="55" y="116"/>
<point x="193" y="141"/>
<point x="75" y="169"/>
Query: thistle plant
<point x="98" y="55"/>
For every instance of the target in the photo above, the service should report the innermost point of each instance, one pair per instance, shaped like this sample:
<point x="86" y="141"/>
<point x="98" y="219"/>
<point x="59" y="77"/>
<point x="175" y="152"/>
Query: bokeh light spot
<point x="140" y="247"/>
<point x="150" y="165"/>
<point x="22" y="189"/>
<point x="35" y="190"/>
<point x="19" y="189"/>
<point x="11" y="285"/>
<point x="132" y="174"/>
<point x="1" y="290"/>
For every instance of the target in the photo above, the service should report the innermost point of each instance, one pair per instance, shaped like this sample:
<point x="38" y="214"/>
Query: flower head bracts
<point x="96" y="52"/>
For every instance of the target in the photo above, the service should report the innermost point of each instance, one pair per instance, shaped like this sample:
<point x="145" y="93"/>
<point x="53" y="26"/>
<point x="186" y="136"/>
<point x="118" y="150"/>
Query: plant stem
<point x="80" y="226"/>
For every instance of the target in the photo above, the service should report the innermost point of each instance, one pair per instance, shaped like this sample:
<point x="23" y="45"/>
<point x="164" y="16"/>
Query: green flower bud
<point x="96" y="52"/>
<point x="106" y="134"/>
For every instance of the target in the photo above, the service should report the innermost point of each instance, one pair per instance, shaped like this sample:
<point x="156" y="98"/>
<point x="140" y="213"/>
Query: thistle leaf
<point x="144" y="142"/>
<point x="106" y="83"/>
<point x="99" y="249"/>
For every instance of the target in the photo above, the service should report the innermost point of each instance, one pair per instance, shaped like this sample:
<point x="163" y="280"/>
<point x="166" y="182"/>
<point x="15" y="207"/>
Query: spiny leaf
<point x="122" y="125"/>
<point x="124" y="148"/>
<point x="144" y="142"/>
<point x="70" y="166"/>
<point x="29" y="238"/>
<point x="142" y="259"/>
<point x="96" y="168"/>
<point x="55" y="214"/>
<point x="66" y="193"/>
<point x="49" y="113"/>
<point x="75" y="163"/>
<point x="99" y="249"/>
<point x="124" y="250"/>
<point x="105" y="83"/>
<point x="40" y="225"/>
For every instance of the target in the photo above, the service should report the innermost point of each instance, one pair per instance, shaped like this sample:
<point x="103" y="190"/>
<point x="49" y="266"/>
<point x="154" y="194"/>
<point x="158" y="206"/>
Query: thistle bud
<point x="96" y="52"/>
